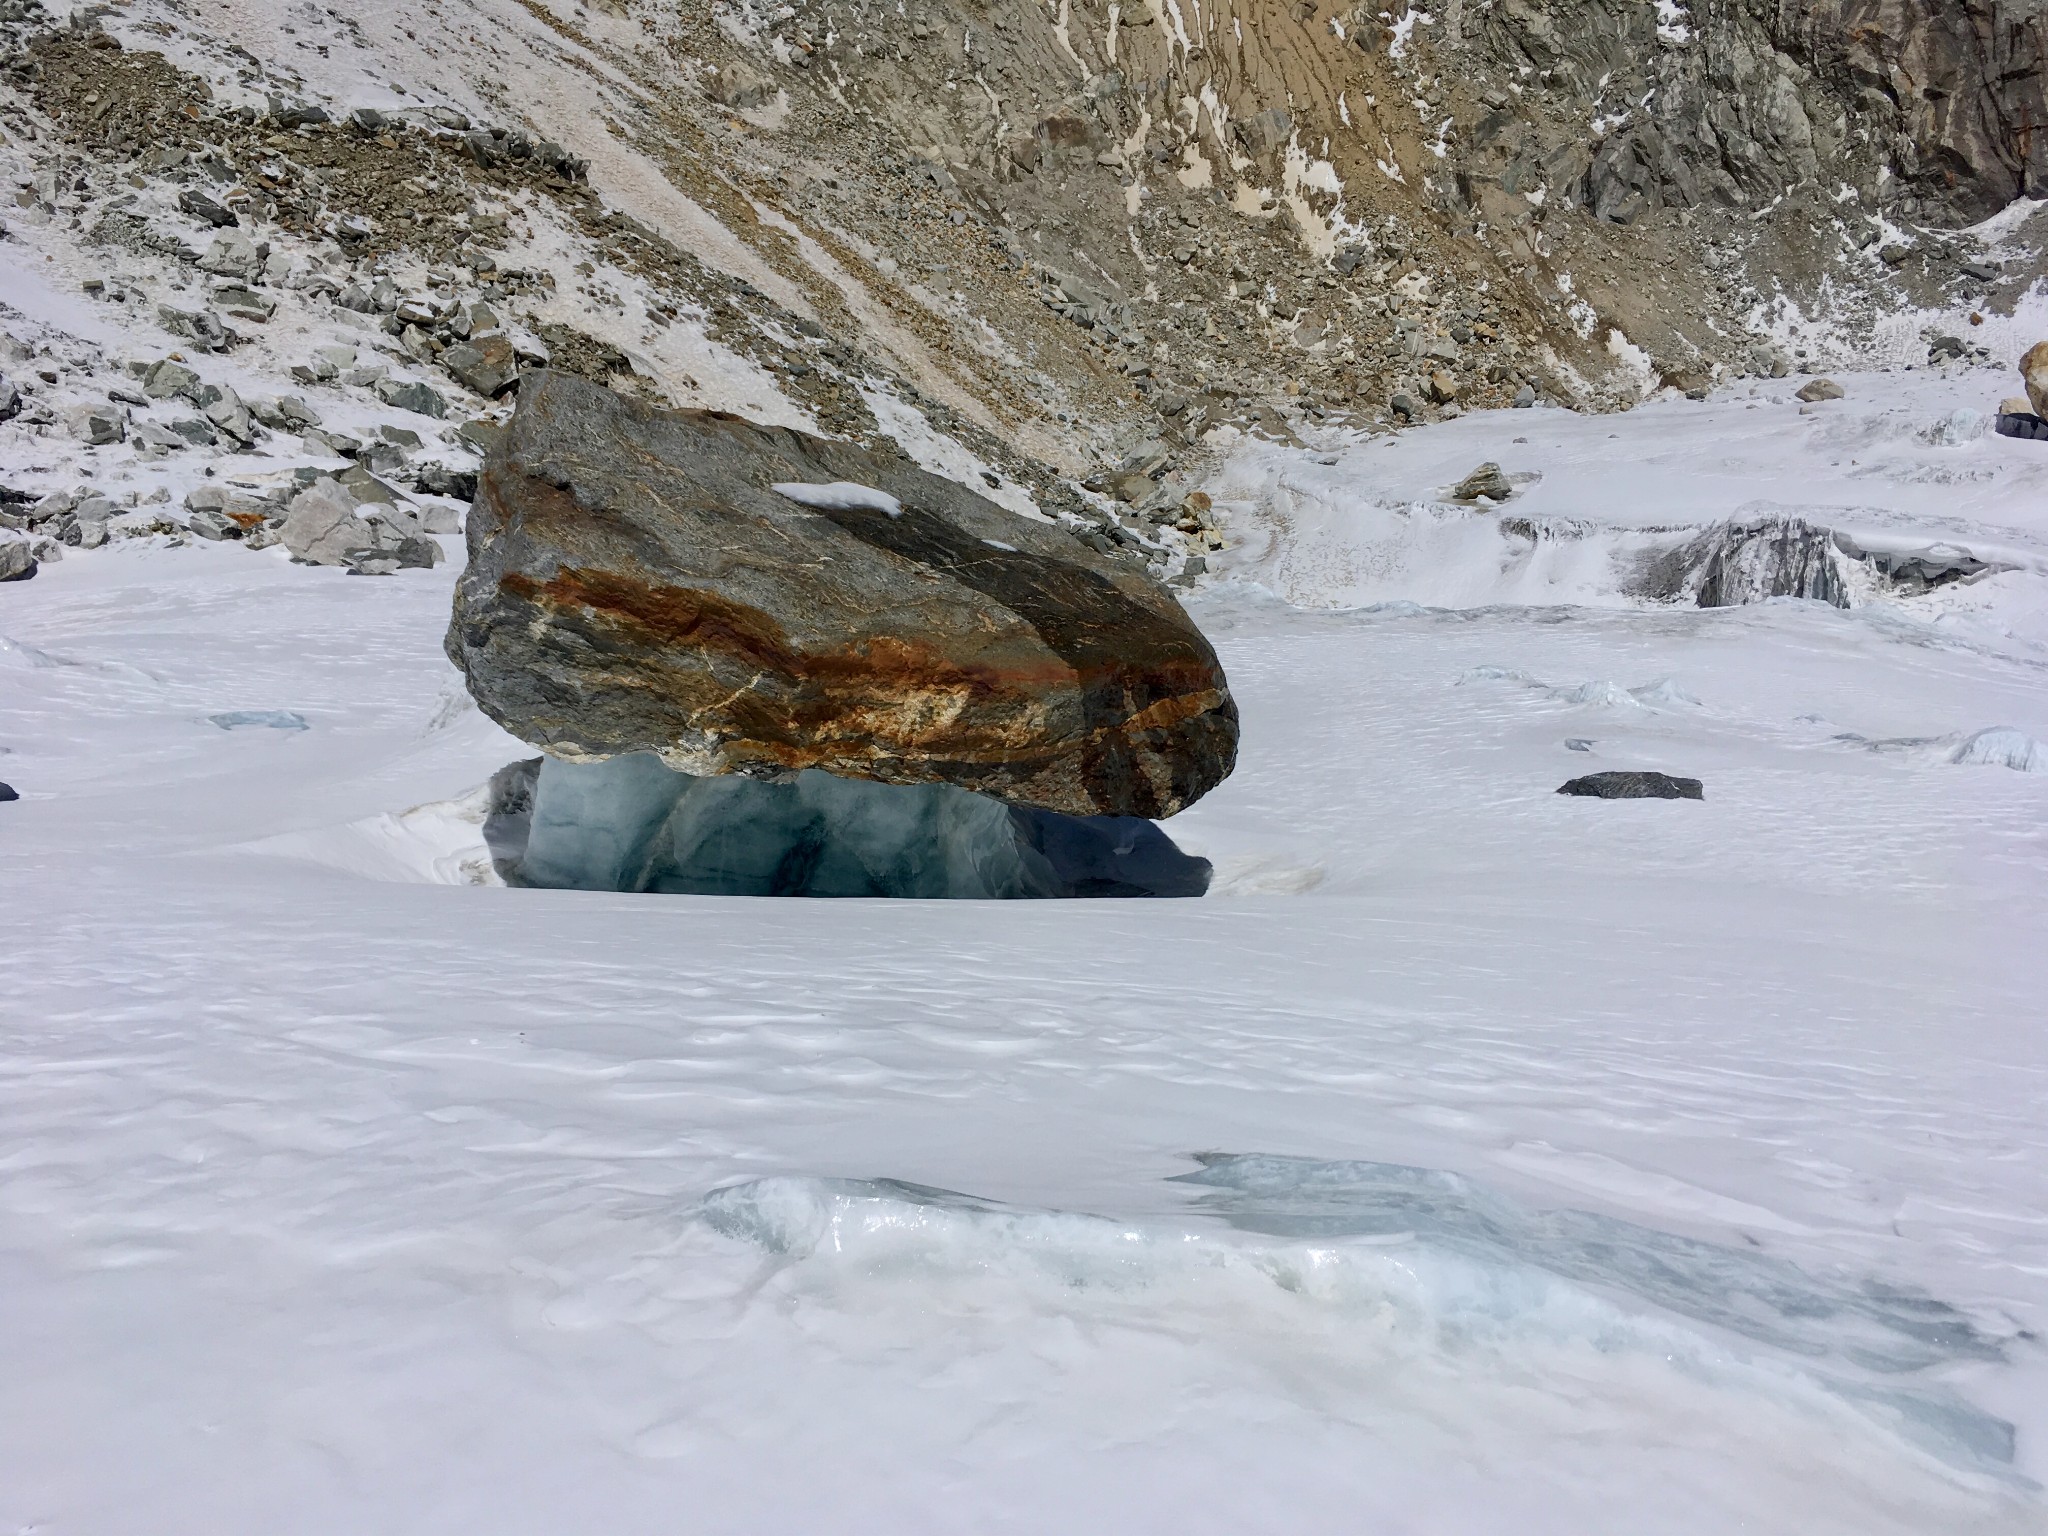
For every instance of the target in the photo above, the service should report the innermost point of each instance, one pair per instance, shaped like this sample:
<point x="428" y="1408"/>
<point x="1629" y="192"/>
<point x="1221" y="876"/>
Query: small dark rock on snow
<point x="1628" y="785"/>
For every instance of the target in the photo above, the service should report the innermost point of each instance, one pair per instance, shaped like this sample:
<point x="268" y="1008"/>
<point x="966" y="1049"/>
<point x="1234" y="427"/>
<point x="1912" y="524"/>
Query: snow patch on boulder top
<point x="1428" y="1262"/>
<point x="840" y="496"/>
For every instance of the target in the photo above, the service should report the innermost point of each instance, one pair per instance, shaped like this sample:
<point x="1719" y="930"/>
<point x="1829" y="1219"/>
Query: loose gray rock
<point x="200" y="206"/>
<point x="241" y="302"/>
<point x="296" y="413"/>
<point x="419" y="552"/>
<point x="487" y="364"/>
<point x="232" y="254"/>
<point x="1487" y="480"/>
<point x="742" y="87"/>
<point x="288" y="112"/>
<point x="1634" y="785"/>
<point x="224" y="408"/>
<point x="201" y="327"/>
<point x="440" y="480"/>
<point x="321" y="526"/>
<point x="364" y="486"/>
<point x="1820" y="389"/>
<point x="97" y="424"/>
<point x="17" y="560"/>
<point x="419" y="398"/>
<point x="166" y="380"/>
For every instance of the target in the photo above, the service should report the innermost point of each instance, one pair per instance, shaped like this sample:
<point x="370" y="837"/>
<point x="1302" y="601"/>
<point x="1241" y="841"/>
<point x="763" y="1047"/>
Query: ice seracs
<point x="2003" y="747"/>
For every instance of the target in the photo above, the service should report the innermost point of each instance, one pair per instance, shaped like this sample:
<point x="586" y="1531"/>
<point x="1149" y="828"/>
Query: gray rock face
<point x="1751" y="561"/>
<point x="1624" y="785"/>
<point x="1764" y="94"/>
<point x="636" y="584"/>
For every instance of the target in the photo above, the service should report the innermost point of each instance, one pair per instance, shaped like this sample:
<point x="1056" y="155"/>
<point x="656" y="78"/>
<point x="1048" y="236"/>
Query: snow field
<point x="341" y="1195"/>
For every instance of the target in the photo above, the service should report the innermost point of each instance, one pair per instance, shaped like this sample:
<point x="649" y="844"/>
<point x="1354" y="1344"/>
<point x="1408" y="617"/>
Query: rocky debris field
<point x="1064" y="256"/>
<point x="1393" y="214"/>
<point x="363" y="270"/>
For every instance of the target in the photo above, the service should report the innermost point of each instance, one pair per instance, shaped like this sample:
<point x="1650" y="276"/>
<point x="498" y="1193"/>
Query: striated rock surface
<point x="637" y="584"/>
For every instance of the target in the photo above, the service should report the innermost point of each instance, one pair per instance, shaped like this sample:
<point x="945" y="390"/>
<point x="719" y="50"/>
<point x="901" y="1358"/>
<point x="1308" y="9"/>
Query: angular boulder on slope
<point x="637" y="582"/>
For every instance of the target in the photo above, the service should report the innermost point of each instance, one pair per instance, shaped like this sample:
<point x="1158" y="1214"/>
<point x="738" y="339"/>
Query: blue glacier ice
<point x="1438" y="1257"/>
<point x="631" y="823"/>
<point x="268" y="719"/>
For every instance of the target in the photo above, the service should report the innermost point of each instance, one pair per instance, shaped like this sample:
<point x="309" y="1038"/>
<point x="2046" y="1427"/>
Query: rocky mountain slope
<point x="1053" y="248"/>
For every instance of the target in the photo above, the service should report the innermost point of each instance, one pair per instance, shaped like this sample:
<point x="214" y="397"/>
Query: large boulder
<point x="636" y="582"/>
<point x="2034" y="372"/>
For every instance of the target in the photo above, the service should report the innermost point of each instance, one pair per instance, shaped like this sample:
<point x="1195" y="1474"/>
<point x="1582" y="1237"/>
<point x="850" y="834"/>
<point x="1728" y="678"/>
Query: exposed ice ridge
<point x="1440" y="1261"/>
<point x="1664" y="693"/>
<point x="2003" y="747"/>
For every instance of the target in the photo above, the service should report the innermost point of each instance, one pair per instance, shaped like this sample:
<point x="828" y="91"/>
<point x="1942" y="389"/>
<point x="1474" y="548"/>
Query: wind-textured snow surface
<point x="1472" y="1159"/>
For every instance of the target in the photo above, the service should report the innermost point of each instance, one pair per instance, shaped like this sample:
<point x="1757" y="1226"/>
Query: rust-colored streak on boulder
<point x="662" y="616"/>
<point x="634" y="584"/>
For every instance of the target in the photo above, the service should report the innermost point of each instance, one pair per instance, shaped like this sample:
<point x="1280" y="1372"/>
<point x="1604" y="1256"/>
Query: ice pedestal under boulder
<point x="631" y="823"/>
